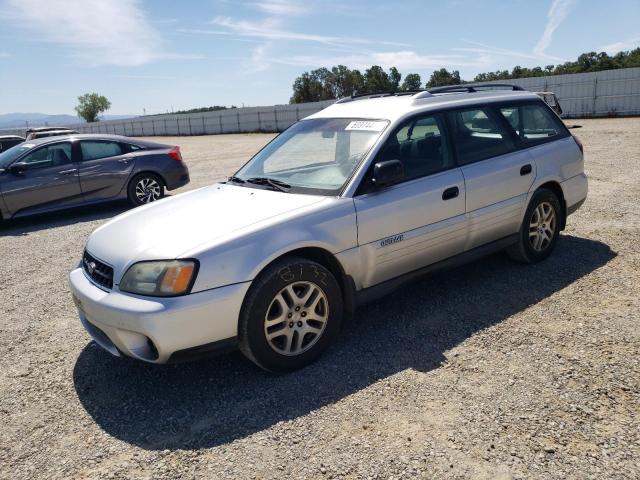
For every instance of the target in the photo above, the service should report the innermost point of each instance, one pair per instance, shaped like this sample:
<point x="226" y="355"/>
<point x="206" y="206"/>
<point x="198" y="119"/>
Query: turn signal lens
<point x="161" y="278"/>
<point x="176" y="279"/>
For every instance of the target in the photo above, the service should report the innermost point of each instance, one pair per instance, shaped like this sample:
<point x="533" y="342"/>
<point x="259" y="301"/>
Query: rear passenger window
<point x="532" y="123"/>
<point x="420" y="145"/>
<point x="477" y="135"/>
<point x="95" y="150"/>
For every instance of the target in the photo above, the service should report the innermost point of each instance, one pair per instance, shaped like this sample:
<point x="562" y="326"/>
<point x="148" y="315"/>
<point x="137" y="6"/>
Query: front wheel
<point x="291" y="314"/>
<point x="540" y="228"/>
<point x="145" y="188"/>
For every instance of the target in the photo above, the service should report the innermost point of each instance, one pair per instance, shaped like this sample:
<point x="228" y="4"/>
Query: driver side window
<point x="50" y="156"/>
<point x="421" y="146"/>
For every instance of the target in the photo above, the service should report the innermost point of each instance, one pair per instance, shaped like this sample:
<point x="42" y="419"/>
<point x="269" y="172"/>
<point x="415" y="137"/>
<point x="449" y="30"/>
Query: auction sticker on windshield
<point x="367" y="125"/>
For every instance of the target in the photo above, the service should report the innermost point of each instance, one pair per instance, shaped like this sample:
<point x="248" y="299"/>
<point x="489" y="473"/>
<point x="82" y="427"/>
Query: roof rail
<point x="472" y="87"/>
<point x="364" y="96"/>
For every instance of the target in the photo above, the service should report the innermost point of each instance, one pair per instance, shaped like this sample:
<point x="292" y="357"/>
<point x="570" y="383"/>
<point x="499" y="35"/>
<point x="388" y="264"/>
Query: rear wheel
<point x="145" y="188"/>
<point x="540" y="228"/>
<point x="291" y="314"/>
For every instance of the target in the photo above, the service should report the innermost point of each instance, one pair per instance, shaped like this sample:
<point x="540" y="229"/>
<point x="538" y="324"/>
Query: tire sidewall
<point x="251" y="330"/>
<point x="539" y="197"/>
<point x="131" y="188"/>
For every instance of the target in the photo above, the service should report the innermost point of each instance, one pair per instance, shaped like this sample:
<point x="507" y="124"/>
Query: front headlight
<point x="164" y="278"/>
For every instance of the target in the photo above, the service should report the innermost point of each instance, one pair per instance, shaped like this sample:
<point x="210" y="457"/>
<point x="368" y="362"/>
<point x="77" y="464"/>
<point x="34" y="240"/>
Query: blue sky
<point x="162" y="54"/>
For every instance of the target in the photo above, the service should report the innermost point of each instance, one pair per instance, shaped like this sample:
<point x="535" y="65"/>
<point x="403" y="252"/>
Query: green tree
<point x="444" y="77"/>
<point x="312" y="87"/>
<point x="394" y="78"/>
<point x="412" y="82"/>
<point x="90" y="105"/>
<point x="358" y="81"/>
<point x="376" y="80"/>
<point x="341" y="81"/>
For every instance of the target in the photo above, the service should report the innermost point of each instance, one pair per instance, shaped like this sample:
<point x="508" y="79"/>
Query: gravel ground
<point x="493" y="370"/>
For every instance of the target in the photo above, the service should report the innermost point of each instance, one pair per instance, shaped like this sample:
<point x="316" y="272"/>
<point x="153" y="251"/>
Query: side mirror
<point x="387" y="172"/>
<point x="18" y="168"/>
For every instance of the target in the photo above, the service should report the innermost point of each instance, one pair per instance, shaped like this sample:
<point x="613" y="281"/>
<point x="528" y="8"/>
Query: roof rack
<point x="422" y="93"/>
<point x="472" y="87"/>
<point x="363" y="96"/>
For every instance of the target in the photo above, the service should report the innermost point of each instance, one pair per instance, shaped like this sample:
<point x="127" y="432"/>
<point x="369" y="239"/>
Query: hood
<point x="168" y="228"/>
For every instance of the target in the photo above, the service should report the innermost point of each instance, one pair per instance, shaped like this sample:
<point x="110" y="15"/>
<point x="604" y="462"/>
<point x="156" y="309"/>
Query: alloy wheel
<point x="542" y="226"/>
<point x="148" y="190"/>
<point x="296" y="318"/>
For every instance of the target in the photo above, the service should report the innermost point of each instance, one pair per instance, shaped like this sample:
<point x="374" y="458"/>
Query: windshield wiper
<point x="270" y="182"/>
<point x="235" y="179"/>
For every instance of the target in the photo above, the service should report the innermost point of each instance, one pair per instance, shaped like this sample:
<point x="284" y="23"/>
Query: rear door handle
<point x="450" y="193"/>
<point x="68" y="172"/>
<point x="526" y="169"/>
<point x="124" y="160"/>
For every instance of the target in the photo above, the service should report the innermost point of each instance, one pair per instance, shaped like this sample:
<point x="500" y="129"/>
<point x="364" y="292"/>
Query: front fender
<point x="330" y="225"/>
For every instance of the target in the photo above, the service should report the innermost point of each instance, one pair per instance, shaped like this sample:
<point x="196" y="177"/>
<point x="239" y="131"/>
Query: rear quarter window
<point x="533" y="123"/>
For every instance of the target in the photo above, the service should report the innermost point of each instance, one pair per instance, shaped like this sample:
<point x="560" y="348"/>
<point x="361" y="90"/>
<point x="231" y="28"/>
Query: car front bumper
<point x="153" y="329"/>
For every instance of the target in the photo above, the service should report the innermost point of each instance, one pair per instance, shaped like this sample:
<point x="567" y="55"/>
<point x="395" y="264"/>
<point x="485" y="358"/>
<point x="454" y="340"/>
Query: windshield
<point x="8" y="156"/>
<point x="314" y="156"/>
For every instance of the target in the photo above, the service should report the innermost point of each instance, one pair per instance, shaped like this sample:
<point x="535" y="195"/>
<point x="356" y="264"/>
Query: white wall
<point x="595" y="94"/>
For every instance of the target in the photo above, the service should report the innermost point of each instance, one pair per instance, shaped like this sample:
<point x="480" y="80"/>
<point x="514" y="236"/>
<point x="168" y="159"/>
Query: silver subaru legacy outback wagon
<point x="341" y="208"/>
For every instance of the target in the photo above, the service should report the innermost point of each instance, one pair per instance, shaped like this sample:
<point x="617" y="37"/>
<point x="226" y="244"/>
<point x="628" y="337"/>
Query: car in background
<point x="8" y="141"/>
<point x="42" y="132"/>
<point x="54" y="173"/>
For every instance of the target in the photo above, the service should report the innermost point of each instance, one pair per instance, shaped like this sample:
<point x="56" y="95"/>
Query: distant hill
<point x="19" y="120"/>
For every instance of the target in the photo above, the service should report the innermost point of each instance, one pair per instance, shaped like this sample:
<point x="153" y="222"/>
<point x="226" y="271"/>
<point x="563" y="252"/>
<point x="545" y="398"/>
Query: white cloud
<point x="269" y="30"/>
<point x="259" y="61"/>
<point x="404" y="59"/>
<point x="503" y="52"/>
<point x="557" y="13"/>
<point x="629" y="44"/>
<point x="280" y="7"/>
<point x="113" y="32"/>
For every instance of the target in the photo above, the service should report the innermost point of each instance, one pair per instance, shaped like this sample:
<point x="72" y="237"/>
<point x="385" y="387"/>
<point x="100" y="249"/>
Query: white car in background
<point x="344" y="206"/>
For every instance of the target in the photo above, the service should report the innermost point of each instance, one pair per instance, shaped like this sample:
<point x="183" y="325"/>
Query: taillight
<point x="175" y="154"/>
<point x="579" y="142"/>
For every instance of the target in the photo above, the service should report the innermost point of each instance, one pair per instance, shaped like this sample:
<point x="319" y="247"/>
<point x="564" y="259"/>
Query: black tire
<point x="134" y="196"/>
<point x="526" y="250"/>
<point x="261" y="302"/>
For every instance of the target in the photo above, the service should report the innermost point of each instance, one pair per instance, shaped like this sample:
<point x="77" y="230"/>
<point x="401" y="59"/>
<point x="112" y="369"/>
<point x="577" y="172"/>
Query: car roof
<point x="94" y="136"/>
<point x="45" y="129"/>
<point x="394" y="107"/>
<point x="11" y="137"/>
<point x="55" y="130"/>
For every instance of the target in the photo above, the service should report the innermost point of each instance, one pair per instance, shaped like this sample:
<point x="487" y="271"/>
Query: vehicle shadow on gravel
<point x="213" y="402"/>
<point x="62" y="218"/>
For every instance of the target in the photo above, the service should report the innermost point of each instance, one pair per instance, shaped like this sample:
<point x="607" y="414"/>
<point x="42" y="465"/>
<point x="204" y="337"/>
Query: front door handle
<point x="450" y="193"/>
<point x="68" y="172"/>
<point x="526" y="169"/>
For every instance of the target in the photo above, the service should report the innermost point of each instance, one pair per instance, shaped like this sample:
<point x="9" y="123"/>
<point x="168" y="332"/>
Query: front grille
<point x="99" y="272"/>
